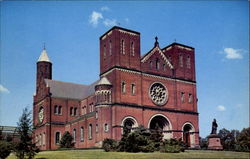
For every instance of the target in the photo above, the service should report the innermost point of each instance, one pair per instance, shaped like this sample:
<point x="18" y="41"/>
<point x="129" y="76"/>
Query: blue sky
<point x="218" y="30"/>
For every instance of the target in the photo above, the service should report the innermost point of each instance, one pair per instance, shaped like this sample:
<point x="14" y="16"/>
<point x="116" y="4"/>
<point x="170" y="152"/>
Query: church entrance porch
<point x="188" y="134"/>
<point x="160" y="121"/>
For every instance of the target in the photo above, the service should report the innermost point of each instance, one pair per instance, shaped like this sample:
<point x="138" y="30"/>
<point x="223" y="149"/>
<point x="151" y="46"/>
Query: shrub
<point x="5" y="149"/>
<point x="172" y="146"/>
<point x="109" y="145"/>
<point x="66" y="141"/>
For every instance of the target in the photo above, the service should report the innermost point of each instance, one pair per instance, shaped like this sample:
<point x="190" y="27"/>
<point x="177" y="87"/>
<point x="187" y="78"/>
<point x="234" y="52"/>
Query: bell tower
<point x="44" y="70"/>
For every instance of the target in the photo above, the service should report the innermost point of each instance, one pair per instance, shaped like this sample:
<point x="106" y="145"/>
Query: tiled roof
<point x="70" y="90"/>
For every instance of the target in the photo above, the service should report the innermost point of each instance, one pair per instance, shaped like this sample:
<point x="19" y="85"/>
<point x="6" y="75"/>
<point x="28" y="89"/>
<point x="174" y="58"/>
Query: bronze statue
<point x="214" y="127"/>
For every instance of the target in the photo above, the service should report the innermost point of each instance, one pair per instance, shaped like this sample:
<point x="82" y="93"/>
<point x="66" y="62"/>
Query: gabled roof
<point x="70" y="90"/>
<point x="43" y="57"/>
<point x="152" y="51"/>
<point x="104" y="81"/>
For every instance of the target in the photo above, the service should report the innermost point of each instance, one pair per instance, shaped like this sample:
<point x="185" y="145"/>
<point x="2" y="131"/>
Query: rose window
<point x="158" y="93"/>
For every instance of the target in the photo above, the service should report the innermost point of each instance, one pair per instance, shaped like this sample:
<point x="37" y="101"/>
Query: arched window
<point x="74" y="135"/>
<point x="71" y="110"/>
<point x="190" y="98"/>
<point x="169" y="58"/>
<point x="82" y="134"/>
<point x="55" y="109"/>
<point x="110" y="47"/>
<point x="123" y="87"/>
<point x="181" y="61"/>
<point x="90" y="131"/>
<point x="75" y="111"/>
<point x="164" y="67"/>
<point x="104" y="51"/>
<point x="182" y="97"/>
<point x="123" y="46"/>
<point x="57" y="138"/>
<point x="132" y="89"/>
<point x="151" y="64"/>
<point x="132" y="49"/>
<point x="157" y="64"/>
<point x="188" y="62"/>
<point x="96" y="114"/>
<point x="106" y="127"/>
<point x="96" y="128"/>
<point x="60" y="110"/>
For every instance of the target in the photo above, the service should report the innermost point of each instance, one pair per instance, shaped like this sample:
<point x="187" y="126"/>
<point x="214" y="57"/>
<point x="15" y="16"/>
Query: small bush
<point x="109" y="145"/>
<point x="172" y="146"/>
<point x="66" y="141"/>
<point x="5" y="149"/>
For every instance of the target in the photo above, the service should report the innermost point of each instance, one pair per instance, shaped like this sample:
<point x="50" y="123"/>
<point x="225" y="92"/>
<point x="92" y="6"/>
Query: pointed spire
<point x="156" y="41"/>
<point x="104" y="81"/>
<point x="44" y="57"/>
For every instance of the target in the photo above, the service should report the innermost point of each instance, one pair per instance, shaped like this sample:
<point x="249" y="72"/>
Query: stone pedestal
<point x="214" y="142"/>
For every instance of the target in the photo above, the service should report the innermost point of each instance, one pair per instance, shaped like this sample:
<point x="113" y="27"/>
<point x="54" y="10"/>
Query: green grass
<point x="100" y="154"/>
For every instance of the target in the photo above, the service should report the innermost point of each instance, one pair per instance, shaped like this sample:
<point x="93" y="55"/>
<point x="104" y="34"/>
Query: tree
<point x="156" y="136"/>
<point x="25" y="147"/>
<point x="244" y="140"/>
<point x="66" y="141"/>
<point x="203" y="142"/>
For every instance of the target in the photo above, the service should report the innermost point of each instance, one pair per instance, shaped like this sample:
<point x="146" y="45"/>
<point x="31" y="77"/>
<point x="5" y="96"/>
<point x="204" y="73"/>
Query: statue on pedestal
<point x="214" y="127"/>
<point x="214" y="138"/>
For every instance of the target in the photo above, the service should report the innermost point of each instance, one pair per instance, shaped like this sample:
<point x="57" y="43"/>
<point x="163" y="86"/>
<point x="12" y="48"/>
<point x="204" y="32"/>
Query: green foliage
<point x="25" y="147"/>
<point x="66" y="141"/>
<point x="203" y="143"/>
<point x="156" y="137"/>
<point x="109" y="145"/>
<point x="244" y="140"/>
<point x="5" y="149"/>
<point x="172" y="146"/>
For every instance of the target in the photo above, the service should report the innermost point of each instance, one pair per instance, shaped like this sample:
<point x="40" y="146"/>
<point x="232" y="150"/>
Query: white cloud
<point x="221" y="108"/>
<point x="94" y="18"/>
<point x="109" y="22"/>
<point x="233" y="53"/>
<point x="3" y="89"/>
<point x="105" y="8"/>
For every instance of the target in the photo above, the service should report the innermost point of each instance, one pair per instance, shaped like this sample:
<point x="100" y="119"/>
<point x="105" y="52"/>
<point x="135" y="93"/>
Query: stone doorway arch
<point x="164" y="124"/>
<point x="130" y="123"/>
<point x="188" y="135"/>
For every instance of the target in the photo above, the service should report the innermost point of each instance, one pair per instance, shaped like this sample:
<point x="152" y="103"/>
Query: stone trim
<point x="145" y="74"/>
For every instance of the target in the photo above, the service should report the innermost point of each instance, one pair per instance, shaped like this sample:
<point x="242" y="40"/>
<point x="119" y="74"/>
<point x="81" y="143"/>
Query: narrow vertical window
<point x="41" y="140"/>
<point x="123" y="87"/>
<point x="188" y="62"/>
<point x="96" y="114"/>
<point x="123" y="47"/>
<point x="190" y="98"/>
<point x="106" y="127"/>
<point x="96" y="128"/>
<point x="74" y="135"/>
<point x="157" y="64"/>
<point x="60" y="110"/>
<point x="44" y="139"/>
<point x="181" y="61"/>
<point x="182" y="97"/>
<point x="75" y="111"/>
<point x="81" y="134"/>
<point x="132" y="49"/>
<point x="164" y="67"/>
<point x="90" y="131"/>
<point x="71" y="110"/>
<point x="151" y="64"/>
<point x="110" y="47"/>
<point x="133" y="89"/>
<point x="169" y="58"/>
<point x="57" y="138"/>
<point x="55" y="109"/>
<point x="104" y="51"/>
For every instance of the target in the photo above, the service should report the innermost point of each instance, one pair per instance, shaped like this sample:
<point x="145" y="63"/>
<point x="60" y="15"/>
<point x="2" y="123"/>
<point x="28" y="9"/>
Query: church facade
<point x="158" y="88"/>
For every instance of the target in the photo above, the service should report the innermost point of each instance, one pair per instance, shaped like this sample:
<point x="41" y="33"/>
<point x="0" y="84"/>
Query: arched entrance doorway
<point x="161" y="122"/>
<point x="188" y="134"/>
<point x="129" y="123"/>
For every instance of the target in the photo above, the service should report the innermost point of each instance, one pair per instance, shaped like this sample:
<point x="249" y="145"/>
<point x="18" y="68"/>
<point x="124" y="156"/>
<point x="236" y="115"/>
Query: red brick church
<point x="133" y="90"/>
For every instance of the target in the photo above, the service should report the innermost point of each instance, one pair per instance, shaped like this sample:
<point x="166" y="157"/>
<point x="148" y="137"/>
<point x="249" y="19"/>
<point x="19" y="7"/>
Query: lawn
<point x="100" y="154"/>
